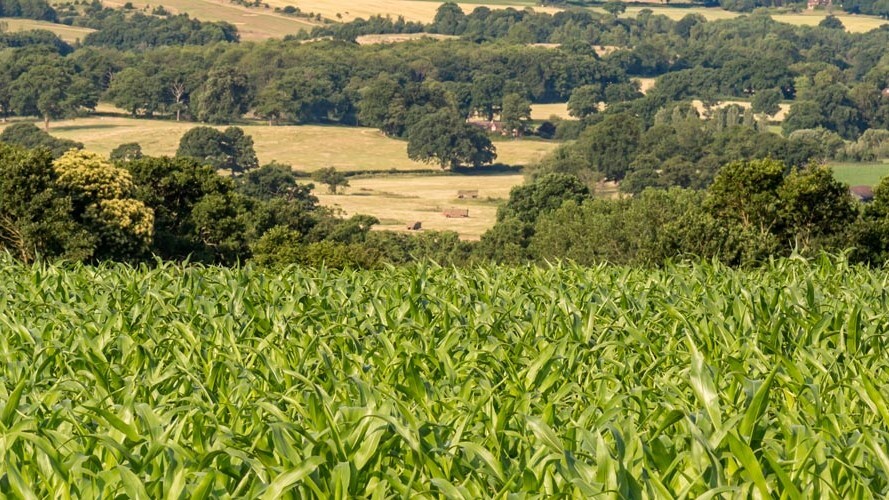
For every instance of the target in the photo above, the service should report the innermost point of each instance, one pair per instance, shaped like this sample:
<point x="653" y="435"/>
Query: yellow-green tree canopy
<point x="103" y="194"/>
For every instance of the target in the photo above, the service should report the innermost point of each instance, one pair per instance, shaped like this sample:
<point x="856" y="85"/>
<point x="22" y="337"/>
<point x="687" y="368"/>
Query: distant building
<point x="813" y="4"/>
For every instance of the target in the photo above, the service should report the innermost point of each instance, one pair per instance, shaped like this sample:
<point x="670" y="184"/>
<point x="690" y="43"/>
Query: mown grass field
<point x="853" y="23"/>
<point x="545" y="111"/>
<point x="401" y="200"/>
<point x="687" y="382"/>
<point x="305" y="147"/>
<point x="861" y="174"/>
<point x="412" y="10"/>
<point x="252" y="23"/>
<point x="778" y="117"/>
<point x="67" y="33"/>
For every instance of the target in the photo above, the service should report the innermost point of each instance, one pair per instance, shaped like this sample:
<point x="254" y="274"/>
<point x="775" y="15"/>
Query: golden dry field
<point x="853" y="23"/>
<point x="412" y="10"/>
<point x="545" y="111"/>
<point x="305" y="147"/>
<point x="779" y="116"/>
<point x="399" y="38"/>
<point x="401" y="200"/>
<point x="645" y="84"/>
<point x="263" y="23"/>
<point x="67" y="33"/>
<point x="252" y="23"/>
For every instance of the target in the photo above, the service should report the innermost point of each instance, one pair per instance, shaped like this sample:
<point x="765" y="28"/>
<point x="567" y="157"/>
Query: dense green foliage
<point x="138" y="31"/>
<point x="30" y="9"/>
<point x="690" y="381"/>
<point x="28" y="136"/>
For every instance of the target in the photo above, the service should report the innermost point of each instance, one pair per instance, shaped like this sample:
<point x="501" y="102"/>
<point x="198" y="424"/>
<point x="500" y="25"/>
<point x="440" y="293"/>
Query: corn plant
<point x="423" y="381"/>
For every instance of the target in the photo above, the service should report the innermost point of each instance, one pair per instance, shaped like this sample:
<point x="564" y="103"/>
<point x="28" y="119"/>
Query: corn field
<point x="692" y="381"/>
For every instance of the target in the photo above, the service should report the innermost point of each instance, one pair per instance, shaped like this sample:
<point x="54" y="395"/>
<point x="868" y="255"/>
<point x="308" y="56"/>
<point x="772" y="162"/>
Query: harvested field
<point x="779" y="116"/>
<point x="400" y="38"/>
<point x="412" y="10"/>
<point x="545" y="111"/>
<point x="306" y="147"/>
<point x="67" y="33"/>
<point x="252" y="23"/>
<point x="401" y="200"/>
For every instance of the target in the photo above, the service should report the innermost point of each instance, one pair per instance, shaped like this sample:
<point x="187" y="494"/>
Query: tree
<point x="130" y="151"/>
<point x="230" y="149"/>
<point x="445" y="138"/>
<point x="276" y="180"/>
<point x="615" y="8"/>
<point x="449" y="19"/>
<point x="487" y="94"/>
<point x="51" y="91"/>
<point x="622" y="92"/>
<point x="648" y="229"/>
<point x="28" y="136"/>
<point x="516" y="112"/>
<point x="610" y="146"/>
<point x="103" y="200"/>
<point x="746" y="193"/>
<point x="767" y="101"/>
<point x="223" y="97"/>
<point x="331" y="178"/>
<point x="173" y="188"/>
<point x="37" y="220"/>
<point x="375" y="109"/>
<point x="527" y="202"/>
<point x="831" y="22"/>
<point x="585" y="101"/>
<point x="816" y="206"/>
<point x="136" y="92"/>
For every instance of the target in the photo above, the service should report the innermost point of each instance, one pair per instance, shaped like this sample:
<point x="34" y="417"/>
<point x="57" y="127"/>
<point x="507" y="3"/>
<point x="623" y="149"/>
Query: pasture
<point x="305" y="147"/>
<point x="852" y="23"/>
<point x="692" y="381"/>
<point x="412" y="10"/>
<point x="545" y="111"/>
<point x="400" y="38"/>
<point x="69" y="34"/>
<point x="253" y="23"/>
<point x="400" y="200"/>
<point x="860" y="174"/>
<point x="778" y="117"/>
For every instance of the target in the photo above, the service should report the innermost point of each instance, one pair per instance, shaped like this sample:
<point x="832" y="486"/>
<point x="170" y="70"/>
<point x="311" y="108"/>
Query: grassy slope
<point x="252" y="23"/>
<point x="306" y="147"/>
<point x="396" y="200"/>
<point x="401" y="200"/>
<point x="855" y="174"/>
<point x="67" y="33"/>
<point x="412" y="10"/>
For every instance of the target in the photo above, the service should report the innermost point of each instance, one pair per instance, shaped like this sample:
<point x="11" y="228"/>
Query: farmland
<point x="856" y="174"/>
<point x="66" y="33"/>
<point x="425" y="381"/>
<point x="412" y="10"/>
<point x="252" y="23"/>
<point x="306" y="147"/>
<point x="401" y="200"/>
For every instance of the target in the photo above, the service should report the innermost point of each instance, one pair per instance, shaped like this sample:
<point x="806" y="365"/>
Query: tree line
<point x="81" y="207"/>
<point x="836" y="78"/>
